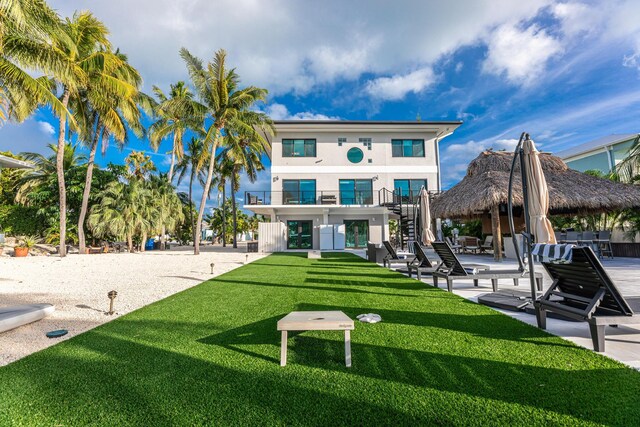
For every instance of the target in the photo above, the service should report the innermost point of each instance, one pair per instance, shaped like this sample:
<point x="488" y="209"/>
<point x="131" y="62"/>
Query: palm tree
<point x="27" y="28"/>
<point x="119" y="213"/>
<point x="244" y="154"/>
<point x="193" y="163"/>
<point x="44" y="170"/>
<point x="225" y="106"/>
<point x="629" y="168"/>
<point x="176" y="114"/>
<point x="85" y="44"/>
<point x="166" y="205"/>
<point x="110" y="105"/>
<point x="140" y="165"/>
<point x="224" y="169"/>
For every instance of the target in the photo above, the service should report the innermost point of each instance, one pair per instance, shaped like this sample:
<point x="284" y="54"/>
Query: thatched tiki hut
<point x="483" y="193"/>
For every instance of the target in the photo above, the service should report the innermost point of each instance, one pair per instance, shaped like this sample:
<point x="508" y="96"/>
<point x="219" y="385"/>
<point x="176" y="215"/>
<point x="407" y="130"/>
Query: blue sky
<point x="566" y="72"/>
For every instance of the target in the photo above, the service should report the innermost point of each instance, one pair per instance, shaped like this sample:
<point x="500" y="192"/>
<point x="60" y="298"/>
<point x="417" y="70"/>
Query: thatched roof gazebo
<point x="483" y="192"/>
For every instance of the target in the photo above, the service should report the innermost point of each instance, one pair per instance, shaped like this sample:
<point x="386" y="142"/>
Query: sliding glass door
<point x="409" y="188"/>
<point x="300" y="234"/>
<point x="356" y="192"/>
<point x="356" y="233"/>
<point x="299" y="191"/>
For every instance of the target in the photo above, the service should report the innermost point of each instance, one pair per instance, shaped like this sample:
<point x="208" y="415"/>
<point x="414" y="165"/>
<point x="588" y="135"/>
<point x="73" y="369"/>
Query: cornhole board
<point x="316" y="321"/>
<point x="314" y="254"/>
<point x="17" y="315"/>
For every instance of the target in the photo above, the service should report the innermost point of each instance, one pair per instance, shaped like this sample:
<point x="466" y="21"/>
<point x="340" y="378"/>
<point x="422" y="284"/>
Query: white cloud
<point x="296" y="47"/>
<point x="46" y="128"/>
<point x="457" y="157"/>
<point x="520" y="55"/>
<point x="576" y="17"/>
<point x="281" y="112"/>
<point x="396" y="87"/>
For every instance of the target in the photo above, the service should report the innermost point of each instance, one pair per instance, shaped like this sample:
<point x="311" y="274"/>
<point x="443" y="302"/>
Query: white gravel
<point x="78" y="285"/>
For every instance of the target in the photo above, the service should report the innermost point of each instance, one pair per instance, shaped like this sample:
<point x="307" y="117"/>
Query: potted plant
<point x="22" y="249"/>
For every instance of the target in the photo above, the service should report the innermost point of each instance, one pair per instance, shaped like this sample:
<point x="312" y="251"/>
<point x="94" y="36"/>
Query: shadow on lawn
<point x="136" y="384"/>
<point x="552" y="389"/>
<point x="316" y="288"/>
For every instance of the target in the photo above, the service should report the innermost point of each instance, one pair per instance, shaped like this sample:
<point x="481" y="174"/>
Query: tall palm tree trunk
<point x="224" y="216"/>
<point x="233" y="207"/>
<point x="60" y="170"/>
<point x="144" y="242"/>
<point x="193" y="226"/>
<point x="130" y="242"/>
<point x="163" y="232"/>
<point x="207" y="186"/>
<point x="87" y="191"/>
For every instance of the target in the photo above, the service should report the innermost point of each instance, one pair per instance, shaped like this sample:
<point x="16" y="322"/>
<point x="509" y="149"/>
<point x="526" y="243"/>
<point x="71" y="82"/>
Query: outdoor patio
<point x="622" y="343"/>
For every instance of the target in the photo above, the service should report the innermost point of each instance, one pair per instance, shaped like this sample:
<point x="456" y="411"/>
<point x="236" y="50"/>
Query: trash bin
<point x="252" y="246"/>
<point x="156" y="245"/>
<point x="149" y="245"/>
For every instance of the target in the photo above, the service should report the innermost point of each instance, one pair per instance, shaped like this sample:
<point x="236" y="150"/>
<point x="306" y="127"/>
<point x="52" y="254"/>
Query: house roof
<point x="11" y="163"/>
<point x="595" y="144"/>
<point x="487" y="180"/>
<point x="368" y="122"/>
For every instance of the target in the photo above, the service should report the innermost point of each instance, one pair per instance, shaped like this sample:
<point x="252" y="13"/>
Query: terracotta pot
<point x="21" y="252"/>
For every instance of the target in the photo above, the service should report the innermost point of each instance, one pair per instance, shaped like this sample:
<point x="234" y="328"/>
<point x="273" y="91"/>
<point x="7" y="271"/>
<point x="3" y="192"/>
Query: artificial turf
<point x="210" y="355"/>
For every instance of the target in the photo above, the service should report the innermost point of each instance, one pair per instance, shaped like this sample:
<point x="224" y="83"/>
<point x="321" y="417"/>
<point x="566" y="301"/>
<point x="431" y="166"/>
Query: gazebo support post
<point x="497" y="232"/>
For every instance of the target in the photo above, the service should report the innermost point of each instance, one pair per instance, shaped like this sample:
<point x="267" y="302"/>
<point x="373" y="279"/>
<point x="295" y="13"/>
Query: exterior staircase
<point x="407" y="209"/>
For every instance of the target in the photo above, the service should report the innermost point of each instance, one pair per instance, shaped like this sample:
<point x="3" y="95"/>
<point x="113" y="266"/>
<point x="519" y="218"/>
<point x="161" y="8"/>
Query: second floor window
<point x="298" y="148"/>
<point x="356" y="192"/>
<point x="299" y="191"/>
<point x="407" y="147"/>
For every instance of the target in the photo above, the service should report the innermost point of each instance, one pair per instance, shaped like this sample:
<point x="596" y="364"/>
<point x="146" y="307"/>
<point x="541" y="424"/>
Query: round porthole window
<point x="355" y="155"/>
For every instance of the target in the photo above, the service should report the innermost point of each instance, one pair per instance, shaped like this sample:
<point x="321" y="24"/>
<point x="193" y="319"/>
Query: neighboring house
<point x="602" y="154"/>
<point x="334" y="184"/>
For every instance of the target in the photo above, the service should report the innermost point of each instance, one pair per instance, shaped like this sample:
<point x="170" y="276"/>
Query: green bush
<point x="17" y="220"/>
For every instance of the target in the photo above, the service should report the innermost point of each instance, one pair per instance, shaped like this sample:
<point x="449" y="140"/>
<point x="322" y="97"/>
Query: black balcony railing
<point x="311" y="198"/>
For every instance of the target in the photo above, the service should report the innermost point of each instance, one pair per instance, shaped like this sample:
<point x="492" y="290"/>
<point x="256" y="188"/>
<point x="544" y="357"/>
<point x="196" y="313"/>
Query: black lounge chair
<point x="582" y="290"/>
<point x="393" y="257"/>
<point x="451" y="269"/>
<point x="423" y="265"/>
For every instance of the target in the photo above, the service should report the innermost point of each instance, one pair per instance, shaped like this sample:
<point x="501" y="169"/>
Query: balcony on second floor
<point x="310" y="197"/>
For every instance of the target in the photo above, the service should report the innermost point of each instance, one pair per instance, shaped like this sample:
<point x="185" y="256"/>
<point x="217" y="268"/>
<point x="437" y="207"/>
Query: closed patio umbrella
<point x="425" y="218"/>
<point x="537" y="195"/>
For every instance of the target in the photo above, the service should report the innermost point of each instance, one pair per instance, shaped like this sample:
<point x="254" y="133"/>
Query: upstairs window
<point x="407" y="147"/>
<point x="298" y="148"/>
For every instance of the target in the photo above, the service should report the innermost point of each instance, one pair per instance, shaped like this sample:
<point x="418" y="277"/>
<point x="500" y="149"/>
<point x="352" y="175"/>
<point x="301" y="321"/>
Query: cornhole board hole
<point x="17" y="315"/>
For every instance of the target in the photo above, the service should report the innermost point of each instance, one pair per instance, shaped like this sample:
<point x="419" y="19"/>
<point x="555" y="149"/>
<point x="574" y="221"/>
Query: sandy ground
<point x="78" y="285"/>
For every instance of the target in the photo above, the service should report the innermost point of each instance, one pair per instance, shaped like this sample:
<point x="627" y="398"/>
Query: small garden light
<point x="212" y="265"/>
<point x="112" y="295"/>
<point x="246" y="259"/>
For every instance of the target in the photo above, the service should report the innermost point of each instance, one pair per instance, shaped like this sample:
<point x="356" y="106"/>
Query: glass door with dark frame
<point x="409" y="188"/>
<point x="299" y="191"/>
<point x="356" y="192"/>
<point x="300" y="235"/>
<point x="356" y="233"/>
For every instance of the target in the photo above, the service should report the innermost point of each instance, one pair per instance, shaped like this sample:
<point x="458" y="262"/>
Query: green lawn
<point x="210" y="355"/>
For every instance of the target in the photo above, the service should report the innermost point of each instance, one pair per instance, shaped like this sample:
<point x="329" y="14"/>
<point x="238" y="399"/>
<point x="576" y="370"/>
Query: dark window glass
<point x="409" y="188"/>
<point x="298" y="148"/>
<point x="299" y="192"/>
<point x="407" y="148"/>
<point x="356" y="192"/>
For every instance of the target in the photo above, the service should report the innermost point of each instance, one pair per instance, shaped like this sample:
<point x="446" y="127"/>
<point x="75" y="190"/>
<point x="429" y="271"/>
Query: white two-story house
<point x="333" y="182"/>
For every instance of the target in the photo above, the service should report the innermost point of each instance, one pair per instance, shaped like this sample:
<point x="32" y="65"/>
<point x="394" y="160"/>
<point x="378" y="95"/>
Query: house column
<point x="385" y="226"/>
<point x="497" y="232"/>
